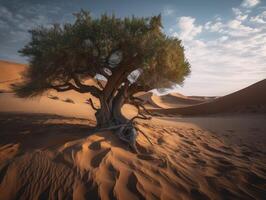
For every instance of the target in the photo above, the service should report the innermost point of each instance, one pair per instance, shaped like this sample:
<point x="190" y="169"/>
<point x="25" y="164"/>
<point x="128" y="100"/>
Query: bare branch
<point x="99" y="83"/>
<point x="79" y="88"/>
<point x="86" y="88"/>
<point x="90" y="102"/>
<point x="139" y="105"/>
<point x="144" y="109"/>
<point x="136" y="98"/>
<point x="140" y="116"/>
<point x="58" y="89"/>
<point x="63" y="87"/>
<point x="78" y="83"/>
<point x="144" y="135"/>
<point x="98" y="69"/>
<point x="107" y="60"/>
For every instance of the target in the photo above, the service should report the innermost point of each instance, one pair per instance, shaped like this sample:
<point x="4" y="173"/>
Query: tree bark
<point x="103" y="115"/>
<point x="118" y="101"/>
<point x="110" y="112"/>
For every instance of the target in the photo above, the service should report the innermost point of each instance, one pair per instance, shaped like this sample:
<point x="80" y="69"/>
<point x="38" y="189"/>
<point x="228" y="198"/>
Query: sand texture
<point x="202" y="148"/>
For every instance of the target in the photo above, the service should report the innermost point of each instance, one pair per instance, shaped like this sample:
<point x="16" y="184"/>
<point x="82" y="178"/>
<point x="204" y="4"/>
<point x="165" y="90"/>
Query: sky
<point x="224" y="40"/>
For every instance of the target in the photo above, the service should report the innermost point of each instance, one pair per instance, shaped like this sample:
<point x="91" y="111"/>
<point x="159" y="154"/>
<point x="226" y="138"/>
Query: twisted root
<point x="127" y="133"/>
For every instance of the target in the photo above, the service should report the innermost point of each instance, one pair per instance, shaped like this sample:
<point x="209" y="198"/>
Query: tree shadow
<point x="41" y="131"/>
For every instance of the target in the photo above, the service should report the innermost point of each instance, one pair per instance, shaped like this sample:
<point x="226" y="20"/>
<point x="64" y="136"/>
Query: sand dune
<point x="10" y="103"/>
<point x="172" y="100"/>
<point x="147" y="99"/>
<point x="62" y="160"/>
<point x="51" y="102"/>
<point x="57" y="155"/>
<point x="10" y="73"/>
<point x="250" y="99"/>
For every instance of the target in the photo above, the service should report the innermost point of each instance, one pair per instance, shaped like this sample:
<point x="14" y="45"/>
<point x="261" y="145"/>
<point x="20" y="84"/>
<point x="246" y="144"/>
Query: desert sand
<point x="251" y="99"/>
<point x="202" y="148"/>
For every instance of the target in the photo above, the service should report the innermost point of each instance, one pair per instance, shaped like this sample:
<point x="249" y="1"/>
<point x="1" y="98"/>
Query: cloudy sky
<point x="225" y="40"/>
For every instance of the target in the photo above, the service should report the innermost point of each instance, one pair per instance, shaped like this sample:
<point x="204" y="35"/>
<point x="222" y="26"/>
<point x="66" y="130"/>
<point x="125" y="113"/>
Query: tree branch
<point x="139" y="105"/>
<point x="86" y="88"/>
<point x="107" y="60"/>
<point x="78" y="83"/>
<point x="63" y="87"/>
<point x="144" y="135"/>
<point x="79" y="87"/>
<point x="90" y="102"/>
<point x="99" y="83"/>
<point x="136" y="98"/>
<point x="140" y="116"/>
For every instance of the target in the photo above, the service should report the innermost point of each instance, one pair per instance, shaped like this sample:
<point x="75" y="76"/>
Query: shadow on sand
<point x="41" y="131"/>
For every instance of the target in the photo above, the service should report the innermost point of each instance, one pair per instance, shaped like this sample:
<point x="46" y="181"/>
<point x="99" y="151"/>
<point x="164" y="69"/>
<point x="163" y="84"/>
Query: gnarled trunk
<point x="103" y="115"/>
<point x="110" y="115"/>
<point x="110" y="112"/>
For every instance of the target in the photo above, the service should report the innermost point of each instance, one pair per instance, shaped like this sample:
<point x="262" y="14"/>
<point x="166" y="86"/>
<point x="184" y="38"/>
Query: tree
<point x="131" y="54"/>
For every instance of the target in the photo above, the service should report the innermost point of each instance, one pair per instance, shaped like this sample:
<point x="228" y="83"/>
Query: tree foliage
<point x="62" y="57"/>
<point x="94" y="46"/>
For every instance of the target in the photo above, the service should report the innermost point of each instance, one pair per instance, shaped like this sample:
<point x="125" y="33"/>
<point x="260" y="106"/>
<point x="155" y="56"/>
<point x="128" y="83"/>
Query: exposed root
<point x="127" y="133"/>
<point x="90" y="102"/>
<point x="144" y="135"/>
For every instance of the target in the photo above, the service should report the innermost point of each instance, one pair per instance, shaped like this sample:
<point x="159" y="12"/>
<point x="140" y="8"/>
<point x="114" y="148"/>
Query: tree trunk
<point x="103" y="115"/>
<point x="110" y="112"/>
<point x="110" y="115"/>
<point x="117" y="104"/>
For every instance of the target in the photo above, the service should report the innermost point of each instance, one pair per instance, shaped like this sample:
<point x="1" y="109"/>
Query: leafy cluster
<point x="63" y="56"/>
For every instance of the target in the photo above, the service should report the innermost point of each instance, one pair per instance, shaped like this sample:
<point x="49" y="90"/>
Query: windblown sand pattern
<point x="63" y="161"/>
<point x="49" y="151"/>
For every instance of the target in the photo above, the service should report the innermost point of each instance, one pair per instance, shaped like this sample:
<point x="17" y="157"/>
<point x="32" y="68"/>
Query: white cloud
<point x="250" y="3"/>
<point x="260" y="18"/>
<point x="223" y="38"/>
<point x="239" y="14"/>
<point x="216" y="26"/>
<point x="16" y="21"/>
<point x="234" y="27"/>
<point x="225" y="63"/>
<point x="237" y="29"/>
<point x="20" y="20"/>
<point x="188" y="29"/>
<point x="229" y="54"/>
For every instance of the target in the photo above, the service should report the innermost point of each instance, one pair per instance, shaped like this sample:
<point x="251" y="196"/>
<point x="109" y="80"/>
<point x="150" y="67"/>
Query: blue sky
<point x="225" y="40"/>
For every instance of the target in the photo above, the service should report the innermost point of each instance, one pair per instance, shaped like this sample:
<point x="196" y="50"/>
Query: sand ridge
<point x="10" y="73"/>
<point x="171" y="100"/>
<point x="184" y="162"/>
<point x="250" y="99"/>
<point x="48" y="149"/>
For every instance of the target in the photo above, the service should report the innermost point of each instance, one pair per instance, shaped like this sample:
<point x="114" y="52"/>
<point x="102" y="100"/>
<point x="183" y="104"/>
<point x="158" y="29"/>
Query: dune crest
<point x="10" y="73"/>
<point x="184" y="162"/>
<point x="172" y="100"/>
<point x="250" y="99"/>
<point x="57" y="155"/>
